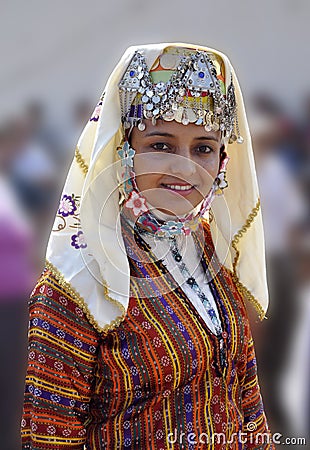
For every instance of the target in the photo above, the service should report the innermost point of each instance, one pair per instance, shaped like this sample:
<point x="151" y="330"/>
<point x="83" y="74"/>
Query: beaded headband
<point x="193" y="93"/>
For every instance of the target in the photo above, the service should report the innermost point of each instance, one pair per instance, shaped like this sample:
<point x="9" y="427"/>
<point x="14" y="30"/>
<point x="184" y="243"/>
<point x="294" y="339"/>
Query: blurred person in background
<point x="17" y="274"/>
<point x="283" y="207"/>
<point x="34" y="170"/>
<point x="81" y="112"/>
<point x="304" y="172"/>
<point x="295" y="386"/>
<point x="287" y="138"/>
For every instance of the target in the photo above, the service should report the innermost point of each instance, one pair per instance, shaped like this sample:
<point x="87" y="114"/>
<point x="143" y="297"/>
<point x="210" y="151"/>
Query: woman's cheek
<point x="210" y="170"/>
<point x="211" y="167"/>
<point x="142" y="182"/>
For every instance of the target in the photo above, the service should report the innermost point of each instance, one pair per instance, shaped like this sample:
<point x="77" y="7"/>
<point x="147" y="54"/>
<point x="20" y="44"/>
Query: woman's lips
<point x="181" y="189"/>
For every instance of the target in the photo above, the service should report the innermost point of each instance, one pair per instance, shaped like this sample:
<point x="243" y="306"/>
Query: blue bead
<point x="201" y="74"/>
<point x="131" y="73"/>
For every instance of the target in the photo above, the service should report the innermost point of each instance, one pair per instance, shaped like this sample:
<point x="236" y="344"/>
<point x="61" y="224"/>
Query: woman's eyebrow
<point x="207" y="138"/>
<point x="158" y="133"/>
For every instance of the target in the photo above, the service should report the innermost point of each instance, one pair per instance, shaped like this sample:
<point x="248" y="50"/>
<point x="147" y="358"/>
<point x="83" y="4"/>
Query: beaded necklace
<point x="218" y="332"/>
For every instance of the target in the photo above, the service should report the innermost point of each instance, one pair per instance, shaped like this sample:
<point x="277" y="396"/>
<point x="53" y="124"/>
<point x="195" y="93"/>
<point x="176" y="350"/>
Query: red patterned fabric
<point x="154" y="382"/>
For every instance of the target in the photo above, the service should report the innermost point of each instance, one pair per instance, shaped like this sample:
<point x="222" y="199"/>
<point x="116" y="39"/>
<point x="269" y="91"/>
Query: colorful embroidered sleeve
<point x="256" y="434"/>
<point x="62" y="355"/>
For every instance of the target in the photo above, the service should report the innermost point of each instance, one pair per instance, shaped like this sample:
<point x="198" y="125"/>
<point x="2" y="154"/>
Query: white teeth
<point x="176" y="187"/>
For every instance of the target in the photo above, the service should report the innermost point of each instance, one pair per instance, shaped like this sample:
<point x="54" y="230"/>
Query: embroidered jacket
<point x="154" y="382"/>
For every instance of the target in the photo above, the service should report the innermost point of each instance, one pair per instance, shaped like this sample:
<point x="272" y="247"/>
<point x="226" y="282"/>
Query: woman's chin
<point x="176" y="209"/>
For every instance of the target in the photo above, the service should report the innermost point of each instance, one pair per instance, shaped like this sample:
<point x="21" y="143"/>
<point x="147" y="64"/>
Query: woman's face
<point x="175" y="164"/>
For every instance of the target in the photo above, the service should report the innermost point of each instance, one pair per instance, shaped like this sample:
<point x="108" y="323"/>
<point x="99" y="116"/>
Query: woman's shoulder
<point x="53" y="298"/>
<point x="50" y="286"/>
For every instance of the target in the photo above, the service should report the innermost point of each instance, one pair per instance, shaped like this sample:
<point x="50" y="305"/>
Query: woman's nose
<point x="182" y="164"/>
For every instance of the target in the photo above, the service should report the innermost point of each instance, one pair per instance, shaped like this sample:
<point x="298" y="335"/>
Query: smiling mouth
<point x="182" y="189"/>
<point x="177" y="187"/>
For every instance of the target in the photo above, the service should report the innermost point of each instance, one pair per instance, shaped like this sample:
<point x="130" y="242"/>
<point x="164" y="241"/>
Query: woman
<point x="139" y="336"/>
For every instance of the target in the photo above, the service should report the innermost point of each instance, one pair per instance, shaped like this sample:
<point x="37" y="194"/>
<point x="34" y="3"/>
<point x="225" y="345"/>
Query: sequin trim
<point x="242" y="231"/>
<point x="234" y="243"/>
<point x="82" y="304"/>
<point x="81" y="162"/>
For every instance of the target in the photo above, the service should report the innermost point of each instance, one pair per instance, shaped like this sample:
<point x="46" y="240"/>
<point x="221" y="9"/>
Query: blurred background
<point x="56" y="57"/>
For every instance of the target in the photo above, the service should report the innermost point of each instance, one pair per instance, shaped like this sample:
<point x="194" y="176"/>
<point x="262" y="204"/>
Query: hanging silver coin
<point x="168" y="116"/>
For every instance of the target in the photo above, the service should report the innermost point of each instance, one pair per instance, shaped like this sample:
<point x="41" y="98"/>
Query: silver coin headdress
<point x="187" y="87"/>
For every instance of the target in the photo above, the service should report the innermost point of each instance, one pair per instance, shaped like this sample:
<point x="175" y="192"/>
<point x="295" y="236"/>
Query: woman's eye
<point x="160" y="146"/>
<point x="204" y="149"/>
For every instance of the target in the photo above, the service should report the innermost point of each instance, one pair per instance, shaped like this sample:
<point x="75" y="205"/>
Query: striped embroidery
<point x="153" y="381"/>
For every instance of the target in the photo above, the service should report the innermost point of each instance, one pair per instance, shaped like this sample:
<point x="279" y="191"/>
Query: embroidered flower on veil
<point x="78" y="240"/>
<point x="67" y="205"/>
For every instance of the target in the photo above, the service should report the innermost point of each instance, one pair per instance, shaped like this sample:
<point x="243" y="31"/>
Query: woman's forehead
<point x="174" y="129"/>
